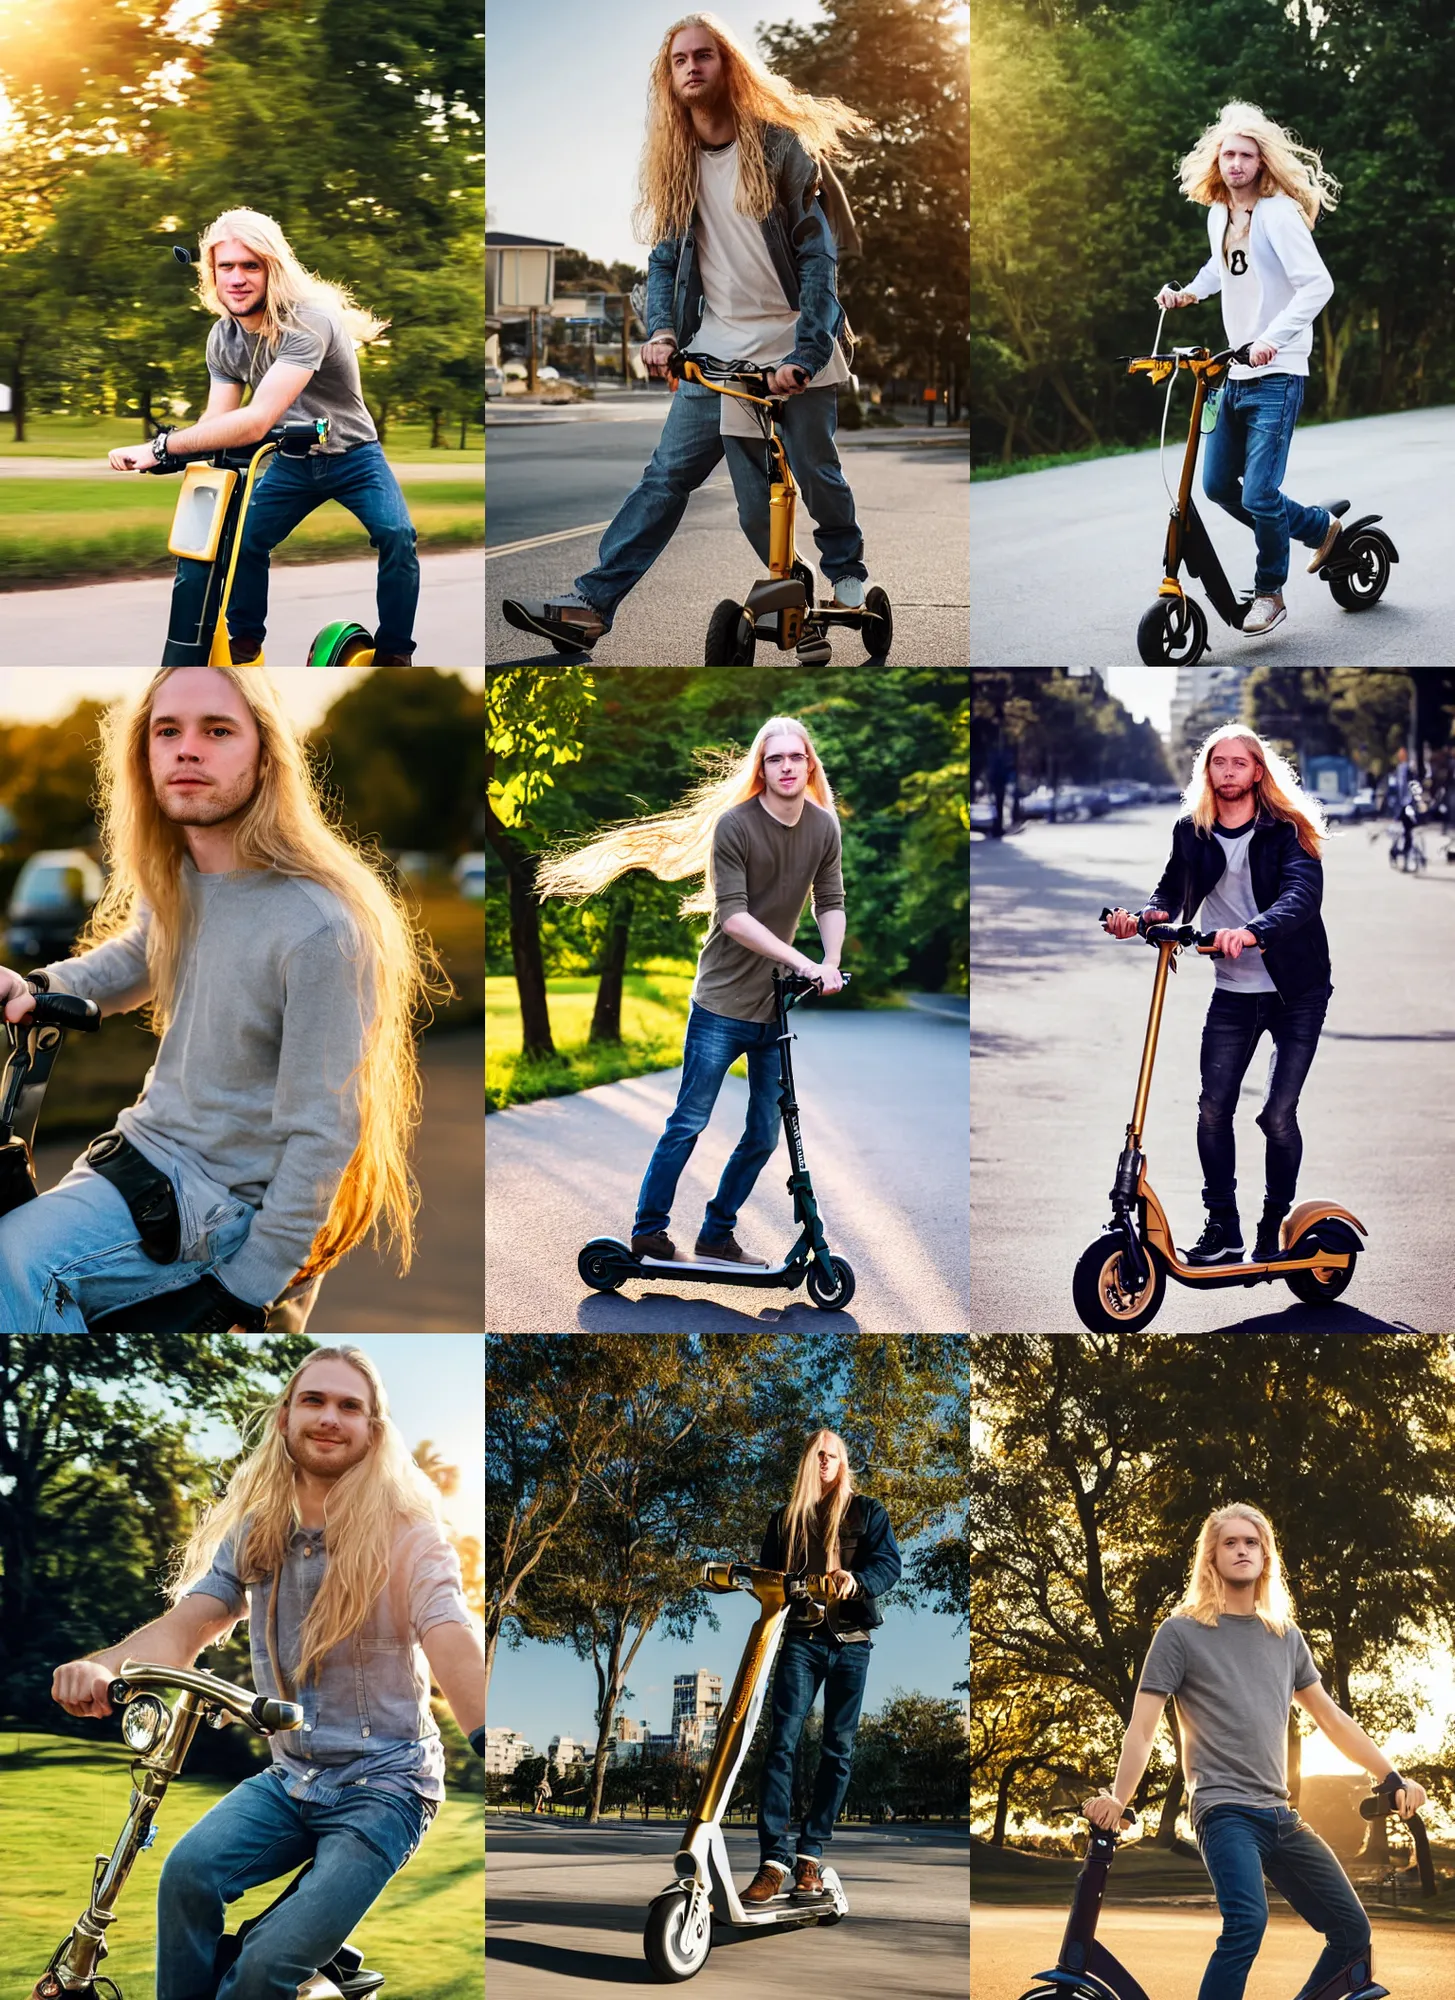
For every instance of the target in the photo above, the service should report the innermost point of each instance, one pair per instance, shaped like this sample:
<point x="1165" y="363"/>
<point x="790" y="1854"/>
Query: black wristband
<point x="40" y="981"/>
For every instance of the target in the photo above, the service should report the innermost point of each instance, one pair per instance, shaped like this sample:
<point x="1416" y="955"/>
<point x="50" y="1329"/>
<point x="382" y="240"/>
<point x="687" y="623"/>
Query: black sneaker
<point x="1221" y="1242"/>
<point x="1269" y="1244"/>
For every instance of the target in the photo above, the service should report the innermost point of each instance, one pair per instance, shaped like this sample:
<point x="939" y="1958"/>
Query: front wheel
<point x="877" y="628"/>
<point x="675" y="1941"/>
<point x="1317" y="1291"/>
<point x="1173" y="633"/>
<point x="597" y="1264"/>
<point x="833" y="1298"/>
<point x="730" y="639"/>
<point x="342" y="644"/>
<point x="1103" y="1302"/>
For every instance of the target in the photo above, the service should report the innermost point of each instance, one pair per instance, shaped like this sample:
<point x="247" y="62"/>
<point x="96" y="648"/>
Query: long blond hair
<point x="290" y="285"/>
<point x="284" y="828"/>
<point x="365" y="1509"/>
<point x="1287" y="166"/>
<point x="676" y="844"/>
<point x="758" y="98"/>
<point x="1206" y="1595"/>
<point x="1277" y="792"/>
<point x="803" y="1509"/>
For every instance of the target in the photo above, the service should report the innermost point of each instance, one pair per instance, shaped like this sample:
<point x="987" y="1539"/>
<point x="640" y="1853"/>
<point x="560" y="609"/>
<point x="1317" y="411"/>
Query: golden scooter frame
<point x="1120" y="1279"/>
<point x="679" y="1920"/>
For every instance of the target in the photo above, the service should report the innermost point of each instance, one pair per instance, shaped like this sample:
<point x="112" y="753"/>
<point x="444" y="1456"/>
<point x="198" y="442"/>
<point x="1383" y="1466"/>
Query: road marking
<point x="539" y="541"/>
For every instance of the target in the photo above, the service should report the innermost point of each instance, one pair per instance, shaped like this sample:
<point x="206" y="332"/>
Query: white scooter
<point x="679" y="1921"/>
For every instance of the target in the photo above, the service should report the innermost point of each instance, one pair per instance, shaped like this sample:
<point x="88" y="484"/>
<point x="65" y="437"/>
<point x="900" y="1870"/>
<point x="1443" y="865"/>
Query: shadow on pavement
<point x="670" y="1311"/>
<point x="1027" y="907"/>
<point x="1312" y="1319"/>
<point x="548" y="659"/>
<point x="560" y="1959"/>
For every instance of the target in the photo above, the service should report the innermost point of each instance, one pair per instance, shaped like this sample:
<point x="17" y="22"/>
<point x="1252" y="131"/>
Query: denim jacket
<point x="867" y="1550"/>
<point x="1288" y="886"/>
<point x="800" y="243"/>
<point x="366" y="1713"/>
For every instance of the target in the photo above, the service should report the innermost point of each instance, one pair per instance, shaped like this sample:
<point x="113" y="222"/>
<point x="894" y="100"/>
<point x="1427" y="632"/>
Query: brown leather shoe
<point x="1326" y="547"/>
<point x="727" y="1250"/>
<point x="807" y="1881"/>
<point x="660" y="1245"/>
<point x="767" y="1883"/>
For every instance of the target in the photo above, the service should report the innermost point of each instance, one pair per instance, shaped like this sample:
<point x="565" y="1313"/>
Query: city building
<point x="628" y="1740"/>
<point x="566" y="1750"/>
<point x="1213" y="695"/>
<point x="696" y="1706"/>
<point x="505" y="1748"/>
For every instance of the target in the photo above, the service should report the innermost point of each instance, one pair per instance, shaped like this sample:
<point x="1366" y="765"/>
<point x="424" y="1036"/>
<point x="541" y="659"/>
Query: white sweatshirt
<point x="1293" y="281"/>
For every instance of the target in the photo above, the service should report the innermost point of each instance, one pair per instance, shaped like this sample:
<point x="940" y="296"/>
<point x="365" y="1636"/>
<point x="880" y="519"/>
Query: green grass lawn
<point x="653" y="1022"/>
<point x="63" y="1801"/>
<point x="89" y="437"/>
<point x="55" y="529"/>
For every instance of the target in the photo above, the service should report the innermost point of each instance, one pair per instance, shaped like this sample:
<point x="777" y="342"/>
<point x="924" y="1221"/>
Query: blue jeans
<point x="1243" y="469"/>
<point x="1242" y="1844"/>
<point x="290" y="489"/>
<point x="74" y="1252"/>
<point x="807" y="1663"/>
<point x="690" y="446"/>
<point x="1235" y="1022"/>
<point x="712" y="1045"/>
<point x="358" y="1839"/>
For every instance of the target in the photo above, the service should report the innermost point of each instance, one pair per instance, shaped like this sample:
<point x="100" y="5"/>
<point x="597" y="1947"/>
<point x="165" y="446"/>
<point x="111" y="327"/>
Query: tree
<point x="406" y="752"/>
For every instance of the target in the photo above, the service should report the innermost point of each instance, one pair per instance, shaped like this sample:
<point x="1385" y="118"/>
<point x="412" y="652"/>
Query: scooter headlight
<point x="144" y="1723"/>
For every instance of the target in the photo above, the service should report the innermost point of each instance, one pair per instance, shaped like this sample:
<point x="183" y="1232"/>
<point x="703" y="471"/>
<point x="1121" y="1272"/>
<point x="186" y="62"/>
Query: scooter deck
<point x="714" y="1264"/>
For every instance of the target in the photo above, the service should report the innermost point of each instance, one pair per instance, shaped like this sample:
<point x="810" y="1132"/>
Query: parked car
<point x="494" y="381"/>
<point x="54" y="894"/>
<point x="469" y="874"/>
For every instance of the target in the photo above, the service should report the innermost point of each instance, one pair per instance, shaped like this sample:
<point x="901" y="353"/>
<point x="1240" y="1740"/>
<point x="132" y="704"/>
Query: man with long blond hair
<point x="1233" y="1662"/>
<point x="827" y="1529"/>
<point x="286" y="339"/>
<point x="766" y="834"/>
<point x="1263" y="192"/>
<point x="1246" y="851"/>
<point x="329" y="1543"/>
<point x="747" y="220"/>
<point x="273" y="1130"/>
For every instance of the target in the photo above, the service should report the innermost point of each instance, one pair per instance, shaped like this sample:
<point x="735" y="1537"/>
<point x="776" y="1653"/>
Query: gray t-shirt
<point x="1233" y="1684"/>
<point x="315" y="338"/>
<point x="1231" y="906"/>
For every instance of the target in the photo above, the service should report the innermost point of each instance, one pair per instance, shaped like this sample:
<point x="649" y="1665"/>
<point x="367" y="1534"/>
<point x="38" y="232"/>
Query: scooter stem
<point x="1165" y="955"/>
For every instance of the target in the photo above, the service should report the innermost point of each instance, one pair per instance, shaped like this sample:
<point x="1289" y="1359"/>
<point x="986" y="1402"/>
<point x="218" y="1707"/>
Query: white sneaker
<point x="1266" y="613"/>
<point x="849" y="593"/>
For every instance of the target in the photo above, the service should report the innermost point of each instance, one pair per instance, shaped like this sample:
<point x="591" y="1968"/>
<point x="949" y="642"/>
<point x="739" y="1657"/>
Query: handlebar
<point x="295" y="440"/>
<point x="1380" y="1805"/>
<point x="1194" y="360"/>
<point x="797" y="985"/>
<point x="724" y="1577"/>
<point x="255" y="1711"/>
<point x="1185" y="935"/>
<point x="704" y="368"/>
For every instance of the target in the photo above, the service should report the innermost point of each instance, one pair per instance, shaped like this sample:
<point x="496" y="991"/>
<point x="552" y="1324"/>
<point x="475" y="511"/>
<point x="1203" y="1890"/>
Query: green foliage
<point x="531" y="723"/>
<point x="654" y="1018"/>
<point x="406" y="751"/>
<point x="1055" y="728"/>
<point x="1331" y="711"/>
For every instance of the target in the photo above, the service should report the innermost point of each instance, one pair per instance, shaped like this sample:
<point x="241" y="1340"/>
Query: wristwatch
<point x="159" y="446"/>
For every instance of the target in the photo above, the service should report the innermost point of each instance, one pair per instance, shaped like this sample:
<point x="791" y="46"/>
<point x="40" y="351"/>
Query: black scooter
<point x="606" y="1262"/>
<point x="161" y="1738"/>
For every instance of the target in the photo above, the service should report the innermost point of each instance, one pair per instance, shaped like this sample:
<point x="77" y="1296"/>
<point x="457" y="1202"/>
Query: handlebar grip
<point x="280" y="1715"/>
<point x="66" y="1010"/>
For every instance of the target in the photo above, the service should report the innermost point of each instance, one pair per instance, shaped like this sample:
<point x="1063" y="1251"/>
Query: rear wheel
<point x="833" y="1298"/>
<point x="1102" y="1301"/>
<point x="342" y="644"/>
<point x="675" y="1941"/>
<point x="1173" y="633"/>
<point x="877" y="629"/>
<point x="1362" y="582"/>
<point x="730" y="640"/>
<point x="1316" y="1289"/>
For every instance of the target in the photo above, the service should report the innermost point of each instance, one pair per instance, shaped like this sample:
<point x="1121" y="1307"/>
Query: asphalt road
<point x="543" y="479"/>
<point x="1166" y="1950"/>
<point x="1058" y="1011"/>
<point x="1064" y="563"/>
<point x="565" y="1905"/>
<point x="125" y="624"/>
<point x="882" y="1098"/>
<point x="444" y="1289"/>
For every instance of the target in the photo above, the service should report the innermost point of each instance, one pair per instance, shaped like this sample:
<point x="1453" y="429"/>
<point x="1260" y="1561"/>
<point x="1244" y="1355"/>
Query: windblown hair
<point x="365" y="1510"/>
<point x="1288" y="167"/>
<point x="806" y="1507"/>
<point x="1277" y="792"/>
<point x="758" y="98"/>
<point x="1206" y="1597"/>
<point x="284" y="828"/>
<point x="289" y="284"/>
<point x="673" y="845"/>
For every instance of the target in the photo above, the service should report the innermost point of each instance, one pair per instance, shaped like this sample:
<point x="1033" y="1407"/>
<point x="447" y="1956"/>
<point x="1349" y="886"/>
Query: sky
<point x="1146" y="691"/>
<point x="44" y="694"/>
<point x="545" y="1691"/>
<point x="565" y="102"/>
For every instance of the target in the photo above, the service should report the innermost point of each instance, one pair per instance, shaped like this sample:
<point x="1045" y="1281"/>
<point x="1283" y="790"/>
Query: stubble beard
<point x="207" y="807"/>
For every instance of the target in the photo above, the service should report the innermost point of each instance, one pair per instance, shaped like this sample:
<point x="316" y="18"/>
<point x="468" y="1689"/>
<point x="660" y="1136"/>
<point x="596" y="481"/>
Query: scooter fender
<point x="1331" y="1227"/>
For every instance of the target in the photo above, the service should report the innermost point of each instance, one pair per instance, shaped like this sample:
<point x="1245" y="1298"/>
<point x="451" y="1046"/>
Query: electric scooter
<point x="1173" y="632"/>
<point x="1120" y="1279"/>
<point x="678" y="1932"/>
<point x="207" y="521"/>
<point x="781" y="606"/>
<point x="161" y="1738"/>
<point x="606" y="1262"/>
<point x="1084" y="1968"/>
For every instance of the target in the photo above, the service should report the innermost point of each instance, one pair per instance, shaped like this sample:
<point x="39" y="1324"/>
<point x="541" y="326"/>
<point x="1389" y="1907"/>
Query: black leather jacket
<point x="867" y="1550"/>
<point x="1288" y="885"/>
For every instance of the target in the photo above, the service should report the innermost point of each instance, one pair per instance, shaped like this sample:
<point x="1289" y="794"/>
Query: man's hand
<point x="848" y="1584"/>
<point x="1409" y="1798"/>
<point x="15" y="995"/>
<point x="132" y="458"/>
<point x="1169" y="298"/>
<point x="80" y="1688"/>
<point x="1231" y="943"/>
<point x="789" y="380"/>
<point x="1260" y="354"/>
<point x="830" y="976"/>
<point x="1105" y="1812"/>
<point x="657" y="352"/>
<point x="1122" y="924"/>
